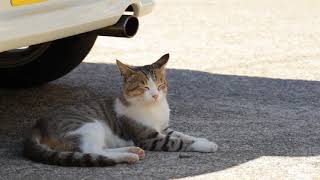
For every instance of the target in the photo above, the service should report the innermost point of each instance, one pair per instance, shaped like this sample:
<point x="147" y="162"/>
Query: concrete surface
<point x="242" y="73"/>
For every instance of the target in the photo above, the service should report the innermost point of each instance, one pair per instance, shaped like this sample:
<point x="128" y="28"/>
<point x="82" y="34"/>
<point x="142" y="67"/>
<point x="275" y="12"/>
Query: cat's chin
<point x="145" y="102"/>
<point x="154" y="102"/>
<point x="150" y="103"/>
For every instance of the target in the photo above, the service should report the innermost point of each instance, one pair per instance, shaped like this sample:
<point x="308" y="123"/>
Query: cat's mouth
<point x="152" y="102"/>
<point x="156" y="101"/>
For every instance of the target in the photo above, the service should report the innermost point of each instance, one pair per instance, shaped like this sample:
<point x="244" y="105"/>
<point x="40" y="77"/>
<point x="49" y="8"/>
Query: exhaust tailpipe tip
<point x="127" y="26"/>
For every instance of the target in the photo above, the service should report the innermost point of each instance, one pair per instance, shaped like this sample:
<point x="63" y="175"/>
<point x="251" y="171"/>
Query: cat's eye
<point x="161" y="86"/>
<point x="143" y="88"/>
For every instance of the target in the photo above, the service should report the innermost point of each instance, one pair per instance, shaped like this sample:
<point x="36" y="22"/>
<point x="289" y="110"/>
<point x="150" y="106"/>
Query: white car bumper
<point x="54" y="19"/>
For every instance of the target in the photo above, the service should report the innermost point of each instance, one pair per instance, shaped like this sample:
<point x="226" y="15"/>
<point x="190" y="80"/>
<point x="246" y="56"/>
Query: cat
<point x="108" y="132"/>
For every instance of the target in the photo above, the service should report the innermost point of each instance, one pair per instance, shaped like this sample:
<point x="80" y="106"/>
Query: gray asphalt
<point x="244" y="75"/>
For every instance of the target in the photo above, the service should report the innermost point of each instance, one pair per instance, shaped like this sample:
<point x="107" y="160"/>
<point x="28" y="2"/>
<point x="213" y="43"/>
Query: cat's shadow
<point x="249" y="117"/>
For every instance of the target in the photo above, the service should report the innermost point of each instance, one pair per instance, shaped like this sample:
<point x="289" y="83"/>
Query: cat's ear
<point x="161" y="63"/>
<point x="124" y="69"/>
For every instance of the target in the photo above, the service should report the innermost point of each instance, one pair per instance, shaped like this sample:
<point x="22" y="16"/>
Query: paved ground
<point x="242" y="73"/>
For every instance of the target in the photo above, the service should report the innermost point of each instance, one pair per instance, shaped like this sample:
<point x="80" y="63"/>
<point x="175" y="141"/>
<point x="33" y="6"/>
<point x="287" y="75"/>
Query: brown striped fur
<point x="38" y="150"/>
<point x="60" y="137"/>
<point x="136" y="78"/>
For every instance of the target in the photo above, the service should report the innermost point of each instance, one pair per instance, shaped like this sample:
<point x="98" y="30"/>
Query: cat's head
<point x="145" y="84"/>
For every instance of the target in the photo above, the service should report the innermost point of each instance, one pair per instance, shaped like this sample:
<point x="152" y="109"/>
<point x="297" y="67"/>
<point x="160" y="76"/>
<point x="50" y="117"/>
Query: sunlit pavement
<point x="244" y="74"/>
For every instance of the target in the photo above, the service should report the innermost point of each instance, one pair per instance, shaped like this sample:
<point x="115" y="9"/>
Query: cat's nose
<point x="155" y="97"/>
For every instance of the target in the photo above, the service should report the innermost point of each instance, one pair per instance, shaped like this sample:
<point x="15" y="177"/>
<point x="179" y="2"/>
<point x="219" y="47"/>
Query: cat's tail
<point x="36" y="151"/>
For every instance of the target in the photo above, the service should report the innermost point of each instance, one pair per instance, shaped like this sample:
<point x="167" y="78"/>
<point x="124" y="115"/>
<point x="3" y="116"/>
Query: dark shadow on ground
<point x="248" y="117"/>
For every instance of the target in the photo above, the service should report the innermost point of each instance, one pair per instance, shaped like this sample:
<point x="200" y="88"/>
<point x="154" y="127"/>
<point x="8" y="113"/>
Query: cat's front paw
<point x="204" y="145"/>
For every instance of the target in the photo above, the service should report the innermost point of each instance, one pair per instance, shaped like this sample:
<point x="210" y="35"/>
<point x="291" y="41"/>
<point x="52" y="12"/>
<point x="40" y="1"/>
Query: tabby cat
<point x="104" y="133"/>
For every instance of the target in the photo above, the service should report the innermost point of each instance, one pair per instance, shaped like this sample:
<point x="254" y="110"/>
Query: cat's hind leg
<point x="92" y="141"/>
<point x="130" y="149"/>
<point x="119" y="155"/>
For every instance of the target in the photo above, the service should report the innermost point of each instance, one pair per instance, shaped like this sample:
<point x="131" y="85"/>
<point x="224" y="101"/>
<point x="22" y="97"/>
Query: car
<point x="42" y="40"/>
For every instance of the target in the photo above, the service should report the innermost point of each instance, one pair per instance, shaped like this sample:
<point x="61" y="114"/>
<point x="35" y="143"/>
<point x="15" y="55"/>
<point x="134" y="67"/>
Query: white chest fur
<point x="155" y="116"/>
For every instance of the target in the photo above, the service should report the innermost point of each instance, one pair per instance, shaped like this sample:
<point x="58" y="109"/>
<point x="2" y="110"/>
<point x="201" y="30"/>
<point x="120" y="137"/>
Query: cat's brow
<point x="148" y="71"/>
<point x="133" y="88"/>
<point x="145" y="72"/>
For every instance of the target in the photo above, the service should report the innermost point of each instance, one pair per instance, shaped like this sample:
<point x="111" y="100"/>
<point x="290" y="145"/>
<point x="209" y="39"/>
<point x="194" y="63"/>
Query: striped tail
<point x="44" y="154"/>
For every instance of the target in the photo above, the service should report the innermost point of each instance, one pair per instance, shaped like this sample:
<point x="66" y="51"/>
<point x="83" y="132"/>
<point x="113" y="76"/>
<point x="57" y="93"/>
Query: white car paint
<point x="54" y="19"/>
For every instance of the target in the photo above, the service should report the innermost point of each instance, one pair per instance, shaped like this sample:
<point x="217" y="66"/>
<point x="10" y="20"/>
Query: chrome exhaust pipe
<point x="127" y="26"/>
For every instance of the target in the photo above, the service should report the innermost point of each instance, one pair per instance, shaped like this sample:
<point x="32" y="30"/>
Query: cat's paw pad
<point x="133" y="158"/>
<point x="137" y="150"/>
<point x="129" y="158"/>
<point x="204" y="146"/>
